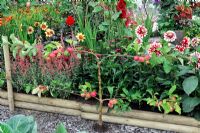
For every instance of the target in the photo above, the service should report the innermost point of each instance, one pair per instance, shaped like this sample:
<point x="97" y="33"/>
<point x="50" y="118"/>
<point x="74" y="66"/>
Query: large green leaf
<point x="61" y="129"/>
<point x="190" y="84"/>
<point x="22" y="124"/>
<point x="189" y="103"/>
<point x="5" y="128"/>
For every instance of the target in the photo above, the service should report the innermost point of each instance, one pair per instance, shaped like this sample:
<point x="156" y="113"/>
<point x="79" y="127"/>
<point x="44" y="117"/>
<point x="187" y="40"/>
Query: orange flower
<point x="44" y="26"/>
<point x="188" y="10"/>
<point x="180" y="8"/>
<point x="5" y="20"/>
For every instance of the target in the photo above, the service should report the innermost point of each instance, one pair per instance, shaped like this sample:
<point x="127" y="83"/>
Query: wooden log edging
<point x="135" y="117"/>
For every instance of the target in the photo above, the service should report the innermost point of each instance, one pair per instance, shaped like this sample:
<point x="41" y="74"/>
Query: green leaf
<point x="1" y="82"/>
<point x="166" y="106"/>
<point x="167" y="66"/>
<point x="183" y="70"/>
<point x="116" y="15"/>
<point x="125" y="91"/>
<point x="61" y="129"/>
<point x="177" y="108"/>
<point x="156" y="60"/>
<point x="110" y="89"/>
<point x="92" y="3"/>
<point x="5" y="128"/>
<point x="97" y="9"/>
<point x="22" y="124"/>
<point x="190" y="84"/>
<point x="172" y="89"/>
<point x="79" y="55"/>
<point x="88" y="85"/>
<point x="189" y="103"/>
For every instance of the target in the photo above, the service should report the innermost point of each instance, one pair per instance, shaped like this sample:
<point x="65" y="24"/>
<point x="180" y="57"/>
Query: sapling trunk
<point x="100" y="94"/>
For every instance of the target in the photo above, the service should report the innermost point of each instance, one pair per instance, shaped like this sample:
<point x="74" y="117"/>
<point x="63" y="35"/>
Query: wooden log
<point x="143" y="123"/>
<point x="136" y="114"/>
<point x="44" y="101"/>
<point x="146" y="115"/>
<point x="43" y="108"/>
<point x="106" y="118"/>
<point x="8" y="73"/>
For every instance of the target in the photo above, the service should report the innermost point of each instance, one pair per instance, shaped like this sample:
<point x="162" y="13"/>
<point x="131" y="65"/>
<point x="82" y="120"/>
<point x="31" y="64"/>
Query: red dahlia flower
<point x="121" y="6"/>
<point x="70" y="21"/>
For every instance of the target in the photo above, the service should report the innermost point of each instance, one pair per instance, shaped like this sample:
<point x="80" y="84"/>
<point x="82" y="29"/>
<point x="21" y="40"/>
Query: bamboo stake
<point x="8" y="75"/>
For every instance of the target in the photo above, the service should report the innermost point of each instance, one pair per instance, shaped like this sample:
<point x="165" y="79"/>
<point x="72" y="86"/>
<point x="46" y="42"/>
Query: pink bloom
<point x="195" y="41"/>
<point x="141" y="31"/>
<point x="70" y="50"/>
<point x="197" y="55"/>
<point x="93" y="94"/>
<point x="110" y="105"/>
<point x="154" y="48"/>
<point x="180" y="48"/>
<point x="139" y="41"/>
<point x="185" y="42"/>
<point x="170" y="36"/>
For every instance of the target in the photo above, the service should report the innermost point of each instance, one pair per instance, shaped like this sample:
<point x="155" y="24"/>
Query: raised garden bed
<point x="135" y="117"/>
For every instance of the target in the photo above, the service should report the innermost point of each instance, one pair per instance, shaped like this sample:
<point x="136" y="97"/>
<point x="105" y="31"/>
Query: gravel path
<point x="48" y="121"/>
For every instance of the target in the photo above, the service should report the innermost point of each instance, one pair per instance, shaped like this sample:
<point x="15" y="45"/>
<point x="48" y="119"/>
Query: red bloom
<point x="123" y="14"/>
<point x="70" y="21"/>
<point x="180" y="48"/>
<point x="130" y="22"/>
<point x="121" y="6"/>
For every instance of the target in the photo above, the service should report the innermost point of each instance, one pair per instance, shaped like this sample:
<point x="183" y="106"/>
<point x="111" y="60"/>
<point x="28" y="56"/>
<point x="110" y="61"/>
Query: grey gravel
<point x="48" y="121"/>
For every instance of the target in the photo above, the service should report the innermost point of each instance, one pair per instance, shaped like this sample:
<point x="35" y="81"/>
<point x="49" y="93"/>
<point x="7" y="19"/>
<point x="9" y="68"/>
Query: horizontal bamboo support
<point x="45" y="101"/>
<point x="45" y="108"/>
<point x="142" y="123"/>
<point x="42" y="104"/>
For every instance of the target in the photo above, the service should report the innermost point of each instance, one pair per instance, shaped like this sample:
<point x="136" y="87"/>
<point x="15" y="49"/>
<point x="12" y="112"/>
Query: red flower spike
<point x="70" y="21"/>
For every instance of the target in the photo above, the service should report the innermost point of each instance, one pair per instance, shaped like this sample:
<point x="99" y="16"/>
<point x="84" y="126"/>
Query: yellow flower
<point x="52" y="32"/>
<point x="36" y="24"/>
<point x="30" y="30"/>
<point x="49" y="32"/>
<point x="80" y="37"/>
<point x="44" y="26"/>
